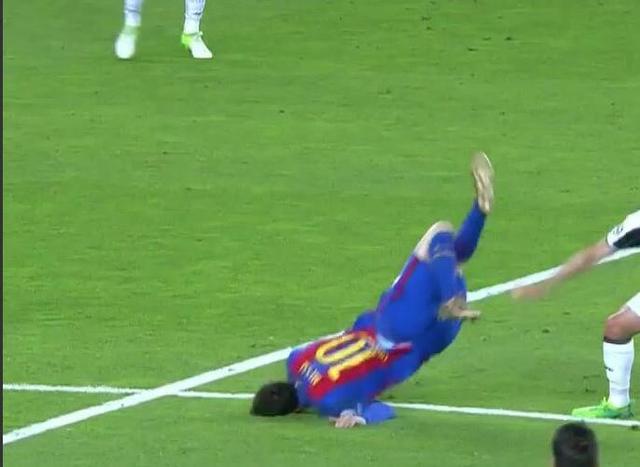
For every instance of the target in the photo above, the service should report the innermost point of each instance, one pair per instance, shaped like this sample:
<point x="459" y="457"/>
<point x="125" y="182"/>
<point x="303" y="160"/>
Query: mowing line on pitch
<point x="244" y="396"/>
<point x="236" y="368"/>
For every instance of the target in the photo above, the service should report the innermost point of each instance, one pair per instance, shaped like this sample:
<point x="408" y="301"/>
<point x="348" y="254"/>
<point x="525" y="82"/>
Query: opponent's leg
<point x="125" y="46"/>
<point x="191" y="35"/>
<point x="618" y="353"/>
<point x="468" y="235"/>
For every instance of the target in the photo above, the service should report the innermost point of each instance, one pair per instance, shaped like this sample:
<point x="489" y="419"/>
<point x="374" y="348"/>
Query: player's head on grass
<point x="274" y="399"/>
<point x="575" y="445"/>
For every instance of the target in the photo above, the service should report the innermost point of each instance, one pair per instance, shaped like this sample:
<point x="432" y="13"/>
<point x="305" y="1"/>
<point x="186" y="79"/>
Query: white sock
<point x="618" y="360"/>
<point x="193" y="10"/>
<point x="132" y="12"/>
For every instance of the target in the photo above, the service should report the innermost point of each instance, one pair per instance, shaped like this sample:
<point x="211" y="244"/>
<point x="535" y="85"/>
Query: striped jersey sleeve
<point x="626" y="234"/>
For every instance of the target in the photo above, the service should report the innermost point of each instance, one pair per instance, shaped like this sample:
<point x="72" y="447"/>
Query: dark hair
<point x="575" y="445"/>
<point x="275" y="399"/>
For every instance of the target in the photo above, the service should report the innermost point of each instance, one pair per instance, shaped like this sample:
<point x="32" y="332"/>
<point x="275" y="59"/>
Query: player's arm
<point x="371" y="414"/>
<point x="581" y="261"/>
<point x="624" y="235"/>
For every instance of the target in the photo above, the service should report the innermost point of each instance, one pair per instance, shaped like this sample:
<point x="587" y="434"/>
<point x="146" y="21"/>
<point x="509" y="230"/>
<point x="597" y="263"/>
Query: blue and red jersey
<point x="348" y="372"/>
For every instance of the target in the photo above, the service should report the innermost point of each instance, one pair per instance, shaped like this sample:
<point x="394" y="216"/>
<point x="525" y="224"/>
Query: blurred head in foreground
<point x="575" y="445"/>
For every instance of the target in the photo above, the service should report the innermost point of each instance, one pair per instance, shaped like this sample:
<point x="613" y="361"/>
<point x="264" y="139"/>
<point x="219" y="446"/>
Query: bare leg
<point x="618" y="352"/>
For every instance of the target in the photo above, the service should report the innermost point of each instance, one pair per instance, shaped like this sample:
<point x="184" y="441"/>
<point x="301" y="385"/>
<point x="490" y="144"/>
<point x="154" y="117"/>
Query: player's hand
<point x="347" y="419"/>
<point x="530" y="292"/>
<point x="456" y="308"/>
<point x="471" y="315"/>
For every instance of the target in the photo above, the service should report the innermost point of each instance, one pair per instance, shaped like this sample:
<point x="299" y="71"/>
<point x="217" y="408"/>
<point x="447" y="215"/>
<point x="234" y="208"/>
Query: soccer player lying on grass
<point x="417" y="318"/>
<point x="619" y="327"/>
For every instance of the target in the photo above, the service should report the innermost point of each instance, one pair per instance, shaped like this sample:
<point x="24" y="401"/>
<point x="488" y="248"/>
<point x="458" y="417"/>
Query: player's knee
<point x="422" y="248"/>
<point x="615" y="329"/>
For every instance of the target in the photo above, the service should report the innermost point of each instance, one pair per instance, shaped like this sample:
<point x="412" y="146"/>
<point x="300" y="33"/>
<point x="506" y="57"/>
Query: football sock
<point x="132" y="13"/>
<point x="618" y="360"/>
<point x="193" y="10"/>
<point x="469" y="233"/>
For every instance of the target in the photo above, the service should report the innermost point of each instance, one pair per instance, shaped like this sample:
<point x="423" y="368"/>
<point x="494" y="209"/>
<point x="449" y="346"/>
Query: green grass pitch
<point x="163" y="217"/>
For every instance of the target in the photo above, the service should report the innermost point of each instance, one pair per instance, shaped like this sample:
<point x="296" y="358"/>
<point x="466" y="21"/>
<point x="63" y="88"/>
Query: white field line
<point x="142" y="397"/>
<point x="112" y="390"/>
<point x="244" y="396"/>
<point x="234" y="369"/>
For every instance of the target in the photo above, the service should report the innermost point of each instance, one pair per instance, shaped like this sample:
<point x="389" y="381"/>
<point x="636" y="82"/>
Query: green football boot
<point x="195" y="44"/>
<point x="604" y="410"/>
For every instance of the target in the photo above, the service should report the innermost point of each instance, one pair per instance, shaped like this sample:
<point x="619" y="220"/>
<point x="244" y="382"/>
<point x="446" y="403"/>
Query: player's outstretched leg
<point x="469" y="233"/>
<point x="125" y="46"/>
<point x="191" y="35"/>
<point x="618" y="353"/>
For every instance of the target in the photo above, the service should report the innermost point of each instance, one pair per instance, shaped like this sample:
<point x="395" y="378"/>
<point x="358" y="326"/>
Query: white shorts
<point x="634" y="304"/>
